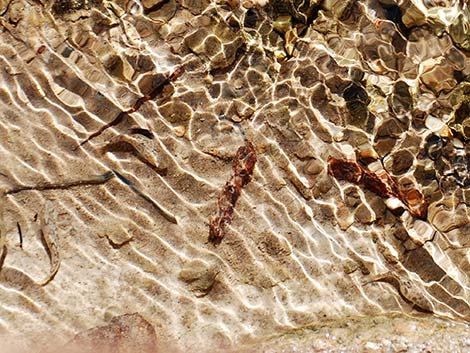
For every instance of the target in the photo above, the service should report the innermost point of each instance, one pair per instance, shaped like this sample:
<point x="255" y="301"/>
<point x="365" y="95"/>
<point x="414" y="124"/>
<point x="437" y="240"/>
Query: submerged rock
<point x="401" y="101"/>
<point x="66" y="6"/>
<point x="300" y="10"/>
<point x="199" y="276"/>
<point x="447" y="214"/>
<point x="128" y="333"/>
<point x="421" y="232"/>
<point x="459" y="30"/>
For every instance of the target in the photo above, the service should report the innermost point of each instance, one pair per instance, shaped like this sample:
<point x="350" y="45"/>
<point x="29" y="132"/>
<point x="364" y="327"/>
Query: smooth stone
<point x="434" y="124"/>
<point x="117" y="235"/>
<point x="402" y="161"/>
<point x="352" y="197"/>
<point x="439" y="78"/>
<point x="394" y="203"/>
<point x="401" y="100"/>
<point x="314" y="167"/>
<point x="283" y="23"/>
<point x="179" y="130"/>
<point x="199" y="276"/>
<point x="344" y="217"/>
<point x="421" y="232"/>
<point x="390" y="128"/>
<point x="384" y="146"/>
<point x="447" y="214"/>
<point x="364" y="215"/>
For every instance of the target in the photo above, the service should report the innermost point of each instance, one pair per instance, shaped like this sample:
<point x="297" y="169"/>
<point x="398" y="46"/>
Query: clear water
<point x="303" y="249"/>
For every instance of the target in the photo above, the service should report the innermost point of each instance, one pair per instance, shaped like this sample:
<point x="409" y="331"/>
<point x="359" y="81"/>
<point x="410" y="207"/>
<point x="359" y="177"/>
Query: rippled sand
<point x="120" y="125"/>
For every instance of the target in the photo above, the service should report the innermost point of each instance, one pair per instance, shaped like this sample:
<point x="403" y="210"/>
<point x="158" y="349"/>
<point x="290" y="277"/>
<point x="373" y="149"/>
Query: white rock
<point x="347" y="150"/>
<point x="375" y="166"/>
<point x="394" y="203"/>
<point x="434" y="124"/>
<point x="425" y="102"/>
<point x="457" y="143"/>
<point x="421" y="232"/>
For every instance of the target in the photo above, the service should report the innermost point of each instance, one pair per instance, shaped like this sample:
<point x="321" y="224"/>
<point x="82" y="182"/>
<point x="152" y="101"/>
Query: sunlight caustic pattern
<point x="120" y="122"/>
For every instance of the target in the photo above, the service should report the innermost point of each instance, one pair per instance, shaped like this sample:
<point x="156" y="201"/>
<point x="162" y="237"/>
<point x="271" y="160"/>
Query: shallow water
<point x="120" y="126"/>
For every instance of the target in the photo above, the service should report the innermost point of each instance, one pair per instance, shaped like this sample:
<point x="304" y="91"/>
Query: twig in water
<point x="100" y="179"/>
<point x="122" y="115"/>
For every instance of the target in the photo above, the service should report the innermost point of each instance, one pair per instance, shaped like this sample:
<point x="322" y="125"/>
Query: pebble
<point x="344" y="217"/>
<point x="402" y="161"/>
<point x="199" y="276"/>
<point x="447" y="215"/>
<point x="179" y="130"/>
<point x="434" y="124"/>
<point x="116" y="234"/>
<point x="364" y="215"/>
<point x="421" y="232"/>
<point x="314" y="167"/>
<point x="439" y="78"/>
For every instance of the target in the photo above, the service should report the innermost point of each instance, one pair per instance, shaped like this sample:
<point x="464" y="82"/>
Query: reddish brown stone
<point x="129" y="333"/>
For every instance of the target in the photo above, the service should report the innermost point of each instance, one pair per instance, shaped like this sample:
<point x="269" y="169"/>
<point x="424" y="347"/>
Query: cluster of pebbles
<point x="380" y="83"/>
<point x="385" y="83"/>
